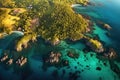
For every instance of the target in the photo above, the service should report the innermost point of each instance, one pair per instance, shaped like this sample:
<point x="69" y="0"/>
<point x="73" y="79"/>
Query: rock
<point x="53" y="42"/>
<point x="19" y="29"/>
<point x="88" y="30"/>
<point x="2" y="35"/>
<point x="19" y="48"/>
<point x="21" y="61"/>
<point x="108" y="27"/>
<point x="78" y="63"/>
<point x="56" y="41"/>
<point x="95" y="45"/>
<point x="86" y="16"/>
<point x="98" y="68"/>
<point x="111" y="54"/>
<point x="72" y="55"/>
<point x="10" y="62"/>
<point x="105" y="64"/>
<point x="91" y="55"/>
<point x="5" y="57"/>
<point x="87" y="66"/>
<point x="104" y="25"/>
<point x="65" y="62"/>
<point x="24" y="40"/>
<point x="75" y="67"/>
<point x="53" y="58"/>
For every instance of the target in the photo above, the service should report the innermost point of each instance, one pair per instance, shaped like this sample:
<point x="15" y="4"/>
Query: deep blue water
<point x="110" y="12"/>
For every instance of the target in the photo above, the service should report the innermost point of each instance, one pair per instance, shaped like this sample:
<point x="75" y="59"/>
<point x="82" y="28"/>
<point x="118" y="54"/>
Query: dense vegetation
<point x="61" y="23"/>
<point x="53" y="20"/>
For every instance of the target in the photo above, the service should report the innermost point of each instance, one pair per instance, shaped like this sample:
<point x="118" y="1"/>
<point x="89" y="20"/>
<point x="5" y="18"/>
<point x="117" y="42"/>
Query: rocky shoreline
<point x="74" y="59"/>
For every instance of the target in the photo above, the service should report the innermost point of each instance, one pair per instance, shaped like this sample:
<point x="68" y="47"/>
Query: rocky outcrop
<point x="53" y="42"/>
<point x="65" y="62"/>
<point x="23" y="42"/>
<point x="108" y="34"/>
<point x="2" y="35"/>
<point x="10" y="61"/>
<point x="95" y="45"/>
<point x="21" y="61"/>
<point x="53" y="58"/>
<point x="72" y="55"/>
<point x="104" y="25"/>
<point x="114" y="67"/>
<point x="5" y="57"/>
<point x="56" y="41"/>
<point x="111" y="54"/>
<point x="108" y="27"/>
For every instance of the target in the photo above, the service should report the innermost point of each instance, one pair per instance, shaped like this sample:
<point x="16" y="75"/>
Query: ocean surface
<point x="107" y="11"/>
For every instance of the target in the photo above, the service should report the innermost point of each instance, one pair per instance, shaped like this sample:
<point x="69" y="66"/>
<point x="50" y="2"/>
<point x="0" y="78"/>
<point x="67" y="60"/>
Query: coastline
<point x="66" y="60"/>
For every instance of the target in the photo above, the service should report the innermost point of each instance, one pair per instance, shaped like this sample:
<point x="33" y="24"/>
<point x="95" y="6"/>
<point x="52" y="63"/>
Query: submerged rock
<point x="72" y="55"/>
<point x="108" y="34"/>
<point x="5" y="57"/>
<point x="74" y="76"/>
<point x="2" y="35"/>
<point x="114" y="67"/>
<point x="98" y="68"/>
<point x="65" y="62"/>
<point x="10" y="62"/>
<point x="53" y="57"/>
<point x="21" y="61"/>
<point x="53" y="42"/>
<point x="111" y="54"/>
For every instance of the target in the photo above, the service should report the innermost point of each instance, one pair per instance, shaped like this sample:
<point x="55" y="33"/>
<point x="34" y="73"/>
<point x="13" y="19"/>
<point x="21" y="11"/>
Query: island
<point x="39" y="34"/>
<point x="52" y="20"/>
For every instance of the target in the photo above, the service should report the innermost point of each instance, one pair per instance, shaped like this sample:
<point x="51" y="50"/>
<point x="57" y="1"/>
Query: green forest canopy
<point x="57" y="20"/>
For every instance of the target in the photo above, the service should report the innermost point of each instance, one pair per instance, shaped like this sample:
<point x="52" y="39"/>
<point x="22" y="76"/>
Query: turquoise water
<point x="102" y="35"/>
<point x="105" y="10"/>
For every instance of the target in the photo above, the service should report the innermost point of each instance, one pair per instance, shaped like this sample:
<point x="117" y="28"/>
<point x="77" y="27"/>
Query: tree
<point x="7" y="3"/>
